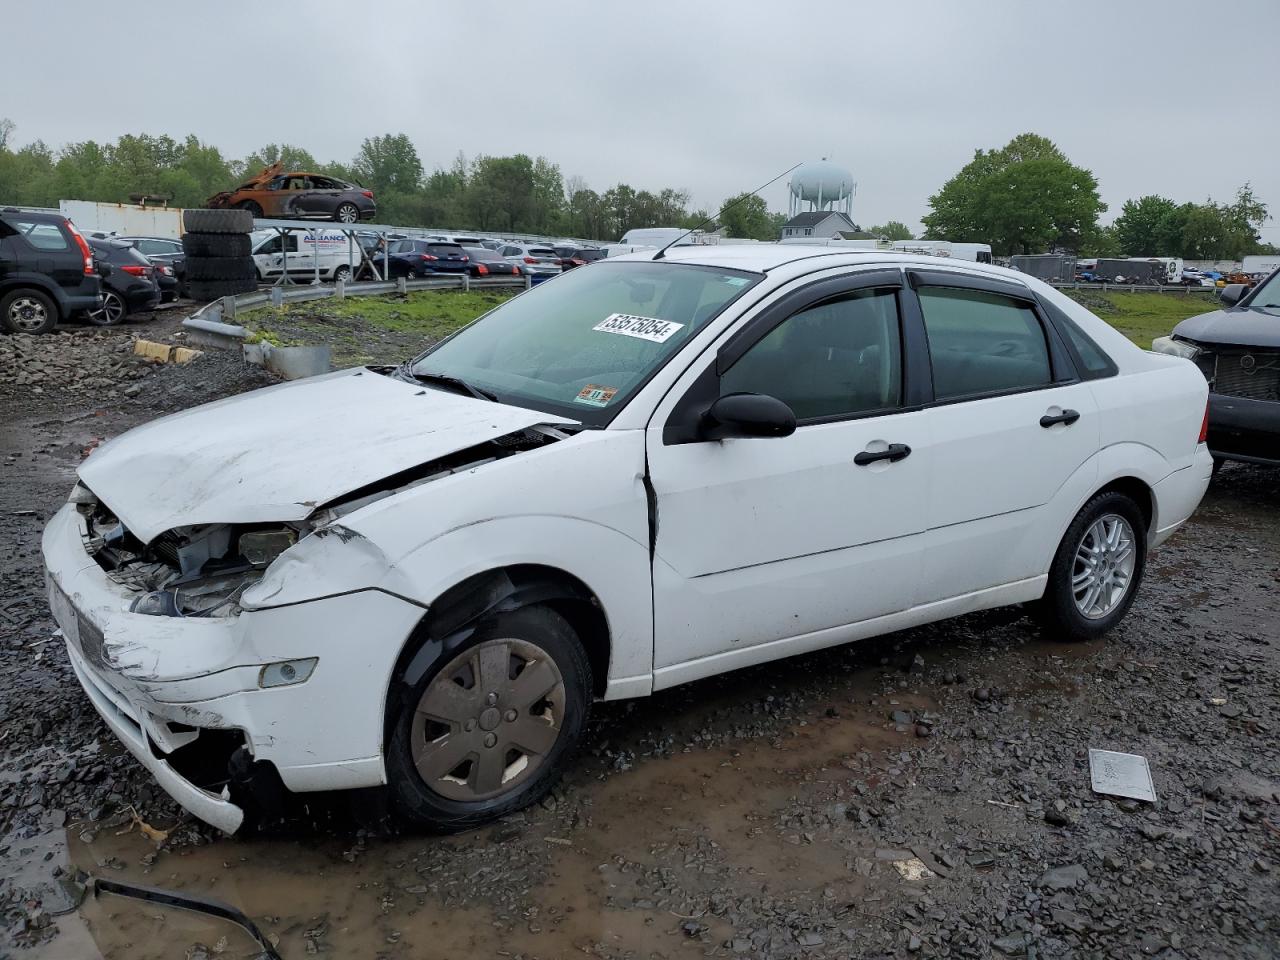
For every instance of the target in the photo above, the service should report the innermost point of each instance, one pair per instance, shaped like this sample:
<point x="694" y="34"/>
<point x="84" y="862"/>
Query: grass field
<point x="362" y="330"/>
<point x="389" y="329"/>
<point x="1144" y="316"/>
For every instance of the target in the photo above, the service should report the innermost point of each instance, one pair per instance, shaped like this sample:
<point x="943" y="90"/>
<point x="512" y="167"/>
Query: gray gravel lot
<point x="781" y="811"/>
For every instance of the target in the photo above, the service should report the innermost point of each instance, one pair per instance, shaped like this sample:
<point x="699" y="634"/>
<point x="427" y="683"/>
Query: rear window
<point x="590" y="255"/>
<point x="444" y="249"/>
<point x="481" y="253"/>
<point x="542" y="252"/>
<point x="42" y="236"/>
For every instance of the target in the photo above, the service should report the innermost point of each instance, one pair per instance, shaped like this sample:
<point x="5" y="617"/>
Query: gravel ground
<point x="926" y="794"/>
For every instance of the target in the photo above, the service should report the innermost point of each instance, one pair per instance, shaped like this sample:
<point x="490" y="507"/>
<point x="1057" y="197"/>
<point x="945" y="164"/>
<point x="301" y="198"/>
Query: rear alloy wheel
<point x="346" y="213"/>
<point x="112" y="311"/>
<point x="342" y="273"/>
<point x="486" y="732"/>
<point x="1097" y="569"/>
<point x="27" y="311"/>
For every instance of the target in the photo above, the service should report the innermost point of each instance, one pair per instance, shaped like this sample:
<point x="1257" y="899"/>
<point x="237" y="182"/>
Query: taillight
<point x="367" y="193"/>
<point x="578" y="263"/>
<point x="482" y="270"/>
<point x="1204" y="424"/>
<point x="427" y="256"/>
<point x="83" y="244"/>
<point x="135" y="269"/>
<point x="530" y="260"/>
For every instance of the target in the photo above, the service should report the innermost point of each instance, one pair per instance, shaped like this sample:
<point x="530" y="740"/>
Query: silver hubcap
<point x="1103" y="569"/>
<point x="27" y="313"/>
<point x="347" y="215"/>
<point x="488" y="720"/>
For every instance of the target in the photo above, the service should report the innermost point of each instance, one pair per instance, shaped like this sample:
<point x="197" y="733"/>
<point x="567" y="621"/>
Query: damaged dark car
<point x="1237" y="349"/>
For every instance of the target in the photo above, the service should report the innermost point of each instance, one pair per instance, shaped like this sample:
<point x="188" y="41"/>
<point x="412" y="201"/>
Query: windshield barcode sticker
<point x="643" y="328"/>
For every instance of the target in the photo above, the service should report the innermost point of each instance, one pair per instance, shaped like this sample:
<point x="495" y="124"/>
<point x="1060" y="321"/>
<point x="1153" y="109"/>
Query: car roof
<point x="765" y="257"/>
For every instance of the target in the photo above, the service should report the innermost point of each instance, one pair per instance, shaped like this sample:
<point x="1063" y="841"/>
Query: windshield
<point x="581" y="345"/>
<point x="1268" y="295"/>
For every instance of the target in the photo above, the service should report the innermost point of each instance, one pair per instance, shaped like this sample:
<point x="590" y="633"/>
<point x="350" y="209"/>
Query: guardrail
<point x="213" y="324"/>
<point x="1134" y="287"/>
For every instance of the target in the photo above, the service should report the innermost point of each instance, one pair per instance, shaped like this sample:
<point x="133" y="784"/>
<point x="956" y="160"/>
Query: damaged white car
<point x="647" y="471"/>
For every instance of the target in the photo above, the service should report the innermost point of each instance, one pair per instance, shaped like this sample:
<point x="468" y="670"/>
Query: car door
<point x="767" y="546"/>
<point x="1012" y="423"/>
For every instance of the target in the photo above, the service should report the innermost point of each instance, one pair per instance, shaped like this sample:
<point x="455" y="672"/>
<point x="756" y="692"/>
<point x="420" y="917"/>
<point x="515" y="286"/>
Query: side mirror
<point x="747" y="415"/>
<point x="1232" y="294"/>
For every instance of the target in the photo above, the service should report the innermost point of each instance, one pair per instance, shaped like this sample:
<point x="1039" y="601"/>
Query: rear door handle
<point x="893" y="453"/>
<point x="1066" y="416"/>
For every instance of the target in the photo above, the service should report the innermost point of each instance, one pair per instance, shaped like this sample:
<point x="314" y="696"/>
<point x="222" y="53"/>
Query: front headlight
<point x="1177" y="348"/>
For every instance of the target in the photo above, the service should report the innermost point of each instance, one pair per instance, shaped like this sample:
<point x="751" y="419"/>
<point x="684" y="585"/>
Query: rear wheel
<point x="1097" y="569"/>
<point x="112" y="311"/>
<point x="346" y="213"/>
<point x="485" y="731"/>
<point x="28" y="311"/>
<point x="254" y="210"/>
<point x="342" y="273"/>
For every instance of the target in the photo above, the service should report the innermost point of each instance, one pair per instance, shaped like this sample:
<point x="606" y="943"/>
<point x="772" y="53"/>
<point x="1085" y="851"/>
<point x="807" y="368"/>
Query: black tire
<point x="28" y="311"/>
<point x="1058" y="612"/>
<point x="419" y="803"/>
<point x="216" y="244"/>
<point x="342" y="272"/>
<point x="221" y="268"/>
<point x="346" y="213"/>
<point x="217" y="221"/>
<point x="255" y="211"/>
<point x="206" y="290"/>
<point x="114" y="309"/>
<point x="1217" y="465"/>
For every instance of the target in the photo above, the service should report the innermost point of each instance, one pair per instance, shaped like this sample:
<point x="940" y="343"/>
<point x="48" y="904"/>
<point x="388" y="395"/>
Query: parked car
<point x="1237" y="349"/>
<point x="298" y="195"/>
<point x="1196" y="278"/>
<point x="130" y="286"/>
<point x="167" y="257"/>
<point x="571" y="257"/>
<point x="645" y="473"/>
<point x="415" y="258"/>
<point x="539" y="262"/>
<point x="47" y="271"/>
<point x="295" y="252"/>
<point x="490" y="263"/>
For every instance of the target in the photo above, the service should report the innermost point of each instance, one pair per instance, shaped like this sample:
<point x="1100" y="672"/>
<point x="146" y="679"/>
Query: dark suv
<point x="47" y="271"/>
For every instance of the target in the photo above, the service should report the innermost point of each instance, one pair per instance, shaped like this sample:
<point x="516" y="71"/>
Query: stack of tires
<point x="216" y="244"/>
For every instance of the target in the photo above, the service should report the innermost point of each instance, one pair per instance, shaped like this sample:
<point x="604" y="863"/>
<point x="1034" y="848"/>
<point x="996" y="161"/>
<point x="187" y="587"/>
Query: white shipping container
<point x="126" y="219"/>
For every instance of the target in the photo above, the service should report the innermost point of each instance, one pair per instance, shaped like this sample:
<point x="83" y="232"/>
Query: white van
<point x="977" y="252"/>
<point x="298" y="250"/>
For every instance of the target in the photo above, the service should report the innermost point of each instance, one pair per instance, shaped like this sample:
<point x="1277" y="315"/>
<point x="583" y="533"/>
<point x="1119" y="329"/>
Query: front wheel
<point x="487" y="728"/>
<point x="1097" y="569"/>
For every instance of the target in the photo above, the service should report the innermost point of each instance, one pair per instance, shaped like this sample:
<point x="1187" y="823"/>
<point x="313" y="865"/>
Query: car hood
<point x="1238" y="326"/>
<point x="278" y="453"/>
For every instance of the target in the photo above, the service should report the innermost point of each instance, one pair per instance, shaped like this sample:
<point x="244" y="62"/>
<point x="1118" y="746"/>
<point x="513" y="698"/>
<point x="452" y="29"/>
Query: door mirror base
<point x="1232" y="294"/>
<point x="747" y="415"/>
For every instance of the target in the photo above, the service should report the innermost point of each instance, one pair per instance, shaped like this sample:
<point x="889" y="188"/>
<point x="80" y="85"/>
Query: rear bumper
<point x="1177" y="495"/>
<point x="1244" y="429"/>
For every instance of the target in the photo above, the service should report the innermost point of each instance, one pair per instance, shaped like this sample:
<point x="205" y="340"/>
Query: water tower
<point x="821" y="185"/>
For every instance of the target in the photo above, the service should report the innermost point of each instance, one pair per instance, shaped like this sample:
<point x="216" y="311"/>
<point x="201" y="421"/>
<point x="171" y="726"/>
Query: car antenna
<point x="727" y="206"/>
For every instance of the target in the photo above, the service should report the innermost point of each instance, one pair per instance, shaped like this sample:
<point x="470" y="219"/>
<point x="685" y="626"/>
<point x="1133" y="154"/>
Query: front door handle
<point x="1066" y="416"/>
<point x="893" y="453"/>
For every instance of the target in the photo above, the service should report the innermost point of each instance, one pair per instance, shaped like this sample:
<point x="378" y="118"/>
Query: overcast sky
<point x="713" y="96"/>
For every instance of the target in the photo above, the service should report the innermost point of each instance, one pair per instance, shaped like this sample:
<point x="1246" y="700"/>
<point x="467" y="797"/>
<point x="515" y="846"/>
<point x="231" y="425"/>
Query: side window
<point x="511" y="251"/>
<point x="839" y="358"/>
<point x="982" y="343"/>
<point x="42" y="236"/>
<point x="1092" y="361"/>
<point x="150" y="247"/>
<point x="291" y="243"/>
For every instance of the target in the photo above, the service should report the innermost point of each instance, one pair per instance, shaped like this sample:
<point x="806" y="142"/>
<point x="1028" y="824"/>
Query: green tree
<point x="286" y="154"/>
<point x="747" y="216"/>
<point x="1140" y="228"/>
<point x="893" y="230"/>
<point x="1026" y="197"/>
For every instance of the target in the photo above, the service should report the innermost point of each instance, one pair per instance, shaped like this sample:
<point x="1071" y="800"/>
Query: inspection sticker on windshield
<point x="643" y="328"/>
<point x="595" y="395"/>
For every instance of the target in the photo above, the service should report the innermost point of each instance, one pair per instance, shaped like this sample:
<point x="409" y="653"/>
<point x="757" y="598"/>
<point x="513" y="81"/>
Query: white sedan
<point x="655" y="470"/>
